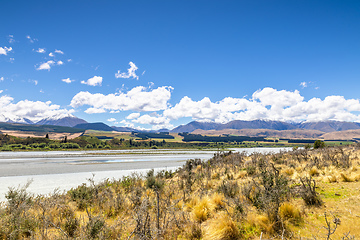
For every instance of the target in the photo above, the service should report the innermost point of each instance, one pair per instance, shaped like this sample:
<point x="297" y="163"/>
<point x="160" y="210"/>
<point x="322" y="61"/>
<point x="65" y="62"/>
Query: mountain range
<point x="67" y="120"/>
<point x="323" y="126"/>
<point x="254" y="127"/>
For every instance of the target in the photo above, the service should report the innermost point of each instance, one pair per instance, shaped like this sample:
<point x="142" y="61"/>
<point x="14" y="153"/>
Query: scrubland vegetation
<point x="86" y="142"/>
<point x="303" y="194"/>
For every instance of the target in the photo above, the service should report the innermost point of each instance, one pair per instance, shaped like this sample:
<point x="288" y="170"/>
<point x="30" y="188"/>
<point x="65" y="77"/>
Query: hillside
<point x="38" y="128"/>
<point x="94" y="126"/>
<point x="69" y="121"/>
<point x="329" y="126"/>
<point x="296" y="133"/>
<point x="340" y="130"/>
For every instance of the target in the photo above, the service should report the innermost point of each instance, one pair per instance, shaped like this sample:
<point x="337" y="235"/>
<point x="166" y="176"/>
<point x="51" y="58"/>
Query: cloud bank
<point x="137" y="99"/>
<point x="32" y="110"/>
<point x="267" y="104"/>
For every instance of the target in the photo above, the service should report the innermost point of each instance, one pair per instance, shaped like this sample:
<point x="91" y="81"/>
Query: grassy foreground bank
<point x="303" y="194"/>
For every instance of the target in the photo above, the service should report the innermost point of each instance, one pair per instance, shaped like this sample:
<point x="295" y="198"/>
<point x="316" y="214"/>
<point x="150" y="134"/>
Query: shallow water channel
<point x="66" y="169"/>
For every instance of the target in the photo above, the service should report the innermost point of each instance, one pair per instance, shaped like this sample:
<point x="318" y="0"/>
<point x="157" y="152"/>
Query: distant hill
<point x="256" y="124"/>
<point x="329" y="126"/>
<point x="38" y="128"/>
<point x="196" y="125"/>
<point x="69" y="121"/>
<point x="294" y="133"/>
<point x="326" y="126"/>
<point x="94" y="126"/>
<point x="237" y="124"/>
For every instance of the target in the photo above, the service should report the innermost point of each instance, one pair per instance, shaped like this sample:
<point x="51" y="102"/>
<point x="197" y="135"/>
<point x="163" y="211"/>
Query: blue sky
<point x="155" y="64"/>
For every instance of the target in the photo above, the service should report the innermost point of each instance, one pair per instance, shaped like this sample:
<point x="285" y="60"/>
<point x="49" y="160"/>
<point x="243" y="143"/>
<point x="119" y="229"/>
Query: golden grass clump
<point x="290" y="213"/>
<point x="314" y="172"/>
<point x="218" y="201"/>
<point x="222" y="227"/>
<point x="289" y="171"/>
<point x="191" y="204"/>
<point x="357" y="178"/>
<point x="202" y="210"/>
<point x="215" y="176"/>
<point x="241" y="174"/>
<point x="331" y="179"/>
<point x="346" y="178"/>
<point x="263" y="222"/>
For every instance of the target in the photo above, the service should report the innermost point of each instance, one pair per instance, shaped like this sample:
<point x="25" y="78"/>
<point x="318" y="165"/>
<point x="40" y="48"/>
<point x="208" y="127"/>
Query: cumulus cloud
<point x="51" y="54"/>
<point x="269" y="104"/>
<point x="133" y="115"/>
<point x="32" y="110"/>
<point x="67" y="80"/>
<point x="46" y="65"/>
<point x="111" y="120"/>
<point x="1" y="79"/>
<point x="94" y="81"/>
<point x="41" y="50"/>
<point x="60" y="63"/>
<point x="130" y="72"/>
<point x="137" y="99"/>
<point x="158" y="122"/>
<point x="5" y="50"/>
<point x="59" y="51"/>
<point x="127" y="124"/>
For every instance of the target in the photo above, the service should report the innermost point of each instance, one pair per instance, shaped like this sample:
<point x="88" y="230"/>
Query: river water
<point x="63" y="170"/>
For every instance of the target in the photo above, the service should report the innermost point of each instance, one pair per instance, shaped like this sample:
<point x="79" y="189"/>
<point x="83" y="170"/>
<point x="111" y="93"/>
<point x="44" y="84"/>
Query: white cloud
<point x="67" y="80"/>
<point x="51" y="54"/>
<point x="60" y="63"/>
<point x="111" y="120"/>
<point x="59" y="51"/>
<point x="133" y="115"/>
<point x="34" y="81"/>
<point x="1" y="79"/>
<point x="137" y="99"/>
<point x="41" y="50"/>
<point x="32" y="40"/>
<point x="12" y="60"/>
<point x="46" y="65"/>
<point x="157" y="122"/>
<point x="267" y="104"/>
<point x="33" y="110"/>
<point x="94" y="110"/>
<point x="96" y="80"/>
<point x="5" y="50"/>
<point x="130" y="74"/>
<point x="11" y="38"/>
<point x="127" y="124"/>
<point x="303" y="84"/>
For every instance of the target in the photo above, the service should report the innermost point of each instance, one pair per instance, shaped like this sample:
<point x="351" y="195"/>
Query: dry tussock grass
<point x="232" y="196"/>
<point x="221" y="227"/>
